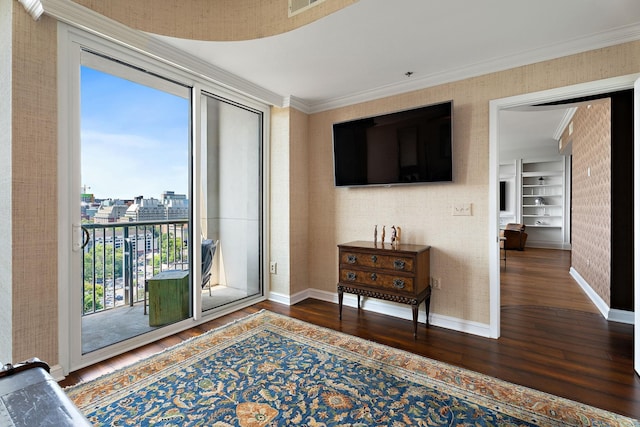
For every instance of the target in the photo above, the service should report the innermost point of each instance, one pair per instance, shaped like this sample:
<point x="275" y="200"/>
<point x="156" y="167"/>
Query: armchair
<point x="514" y="237"/>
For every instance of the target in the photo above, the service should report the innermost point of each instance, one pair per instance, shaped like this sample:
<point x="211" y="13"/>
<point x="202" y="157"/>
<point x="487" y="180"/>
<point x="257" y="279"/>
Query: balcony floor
<point x="111" y="326"/>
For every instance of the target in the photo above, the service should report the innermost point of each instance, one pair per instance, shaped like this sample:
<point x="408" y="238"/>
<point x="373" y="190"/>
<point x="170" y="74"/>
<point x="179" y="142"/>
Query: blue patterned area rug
<point x="271" y="370"/>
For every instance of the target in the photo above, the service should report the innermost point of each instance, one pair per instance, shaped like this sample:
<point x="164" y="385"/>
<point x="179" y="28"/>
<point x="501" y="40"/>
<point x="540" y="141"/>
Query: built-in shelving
<point x="542" y="201"/>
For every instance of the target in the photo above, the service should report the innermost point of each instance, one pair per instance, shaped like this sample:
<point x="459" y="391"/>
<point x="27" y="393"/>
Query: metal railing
<point x="119" y="257"/>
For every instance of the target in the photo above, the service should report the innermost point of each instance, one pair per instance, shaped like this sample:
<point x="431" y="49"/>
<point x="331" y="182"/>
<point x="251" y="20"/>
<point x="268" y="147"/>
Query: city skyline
<point x="134" y="138"/>
<point x="88" y="191"/>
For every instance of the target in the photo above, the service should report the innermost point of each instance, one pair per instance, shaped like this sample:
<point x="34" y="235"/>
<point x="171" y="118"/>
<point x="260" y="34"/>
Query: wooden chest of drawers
<point x="395" y="273"/>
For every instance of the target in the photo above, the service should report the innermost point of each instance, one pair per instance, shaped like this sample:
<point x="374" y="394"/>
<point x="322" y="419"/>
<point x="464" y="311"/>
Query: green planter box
<point x="168" y="297"/>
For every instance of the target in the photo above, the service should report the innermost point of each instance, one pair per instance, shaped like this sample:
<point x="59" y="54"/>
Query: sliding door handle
<point x="85" y="236"/>
<point x="80" y="237"/>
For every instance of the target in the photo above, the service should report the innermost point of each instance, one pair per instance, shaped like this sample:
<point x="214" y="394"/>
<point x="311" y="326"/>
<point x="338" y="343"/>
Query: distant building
<point x="172" y="206"/>
<point x="90" y="211"/>
<point x="110" y="211"/>
<point x="88" y="206"/>
<point x="145" y="210"/>
<point x="171" y="195"/>
<point x="177" y="205"/>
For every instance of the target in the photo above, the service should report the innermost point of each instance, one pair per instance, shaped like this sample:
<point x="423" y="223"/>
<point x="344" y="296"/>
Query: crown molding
<point x="604" y="39"/>
<point x="92" y="22"/>
<point x="297" y="103"/>
<point x="566" y="119"/>
<point x="33" y="8"/>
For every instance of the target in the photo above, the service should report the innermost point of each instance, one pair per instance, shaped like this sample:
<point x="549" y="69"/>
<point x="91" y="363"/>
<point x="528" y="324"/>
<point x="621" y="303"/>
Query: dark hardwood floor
<point x="552" y="338"/>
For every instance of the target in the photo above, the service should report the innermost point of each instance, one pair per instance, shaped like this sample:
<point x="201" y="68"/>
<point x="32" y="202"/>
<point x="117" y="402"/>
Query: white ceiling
<point x="363" y="51"/>
<point x="530" y="132"/>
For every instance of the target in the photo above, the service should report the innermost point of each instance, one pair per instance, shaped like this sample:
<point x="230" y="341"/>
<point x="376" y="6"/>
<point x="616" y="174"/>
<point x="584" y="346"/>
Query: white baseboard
<point x="375" y="305"/>
<point x="289" y="299"/>
<point x="57" y="372"/>
<point x="279" y="298"/>
<point x="461" y="325"/>
<point x="593" y="296"/>
<point x="612" y="315"/>
<point x="622" y="316"/>
<point x="453" y="323"/>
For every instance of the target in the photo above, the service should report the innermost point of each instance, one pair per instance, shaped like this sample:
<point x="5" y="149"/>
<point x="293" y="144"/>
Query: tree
<point x="172" y="249"/>
<point x="99" y="266"/>
<point x="88" y="298"/>
<point x="102" y="259"/>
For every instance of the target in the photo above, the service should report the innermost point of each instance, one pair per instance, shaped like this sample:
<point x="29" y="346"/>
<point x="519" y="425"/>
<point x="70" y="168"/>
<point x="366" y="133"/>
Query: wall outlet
<point x="462" y="209"/>
<point x="435" y="283"/>
<point x="273" y="267"/>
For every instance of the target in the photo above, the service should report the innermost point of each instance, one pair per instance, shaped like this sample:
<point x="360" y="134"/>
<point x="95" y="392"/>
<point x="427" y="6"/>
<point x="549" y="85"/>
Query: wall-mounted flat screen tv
<point x="406" y="147"/>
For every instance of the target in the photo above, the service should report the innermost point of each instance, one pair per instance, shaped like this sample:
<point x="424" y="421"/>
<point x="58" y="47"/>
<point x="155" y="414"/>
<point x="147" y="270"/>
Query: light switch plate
<point x="462" y="209"/>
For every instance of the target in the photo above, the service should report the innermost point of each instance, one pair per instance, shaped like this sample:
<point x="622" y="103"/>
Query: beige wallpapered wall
<point x="591" y="195"/>
<point x="460" y="244"/>
<point x="459" y="254"/>
<point x="279" y="205"/>
<point x="289" y="207"/>
<point x="221" y="20"/>
<point x="34" y="189"/>
<point x="299" y="214"/>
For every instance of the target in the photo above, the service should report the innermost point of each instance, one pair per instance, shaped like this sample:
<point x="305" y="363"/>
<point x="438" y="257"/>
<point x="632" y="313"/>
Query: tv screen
<point x="405" y="147"/>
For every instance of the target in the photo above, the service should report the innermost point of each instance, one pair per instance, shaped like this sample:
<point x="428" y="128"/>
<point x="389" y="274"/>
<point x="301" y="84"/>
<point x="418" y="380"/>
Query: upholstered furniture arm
<point x="515" y="237"/>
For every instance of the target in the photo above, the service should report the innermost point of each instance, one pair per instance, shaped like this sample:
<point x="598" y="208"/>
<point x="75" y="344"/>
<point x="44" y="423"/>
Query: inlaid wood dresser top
<point x="398" y="273"/>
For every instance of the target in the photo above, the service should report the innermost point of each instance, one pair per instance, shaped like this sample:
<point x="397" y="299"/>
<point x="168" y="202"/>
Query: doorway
<point x="523" y="101"/>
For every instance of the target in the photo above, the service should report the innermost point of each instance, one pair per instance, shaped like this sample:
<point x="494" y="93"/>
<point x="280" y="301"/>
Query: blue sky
<point x="135" y="139"/>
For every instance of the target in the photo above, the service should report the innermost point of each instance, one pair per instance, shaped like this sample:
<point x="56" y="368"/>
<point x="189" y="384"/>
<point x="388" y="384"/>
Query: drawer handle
<point x="398" y="283"/>
<point x="351" y="259"/>
<point x="399" y="264"/>
<point x="351" y="275"/>
<point x="374" y="258"/>
<point x="374" y="276"/>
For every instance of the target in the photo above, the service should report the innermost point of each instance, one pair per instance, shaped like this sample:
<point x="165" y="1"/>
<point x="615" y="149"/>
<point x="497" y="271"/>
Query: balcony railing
<point x="119" y="257"/>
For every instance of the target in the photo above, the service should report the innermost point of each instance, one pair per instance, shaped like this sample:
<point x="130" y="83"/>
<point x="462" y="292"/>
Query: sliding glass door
<point x="162" y="200"/>
<point x="134" y="203"/>
<point x="231" y="201"/>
